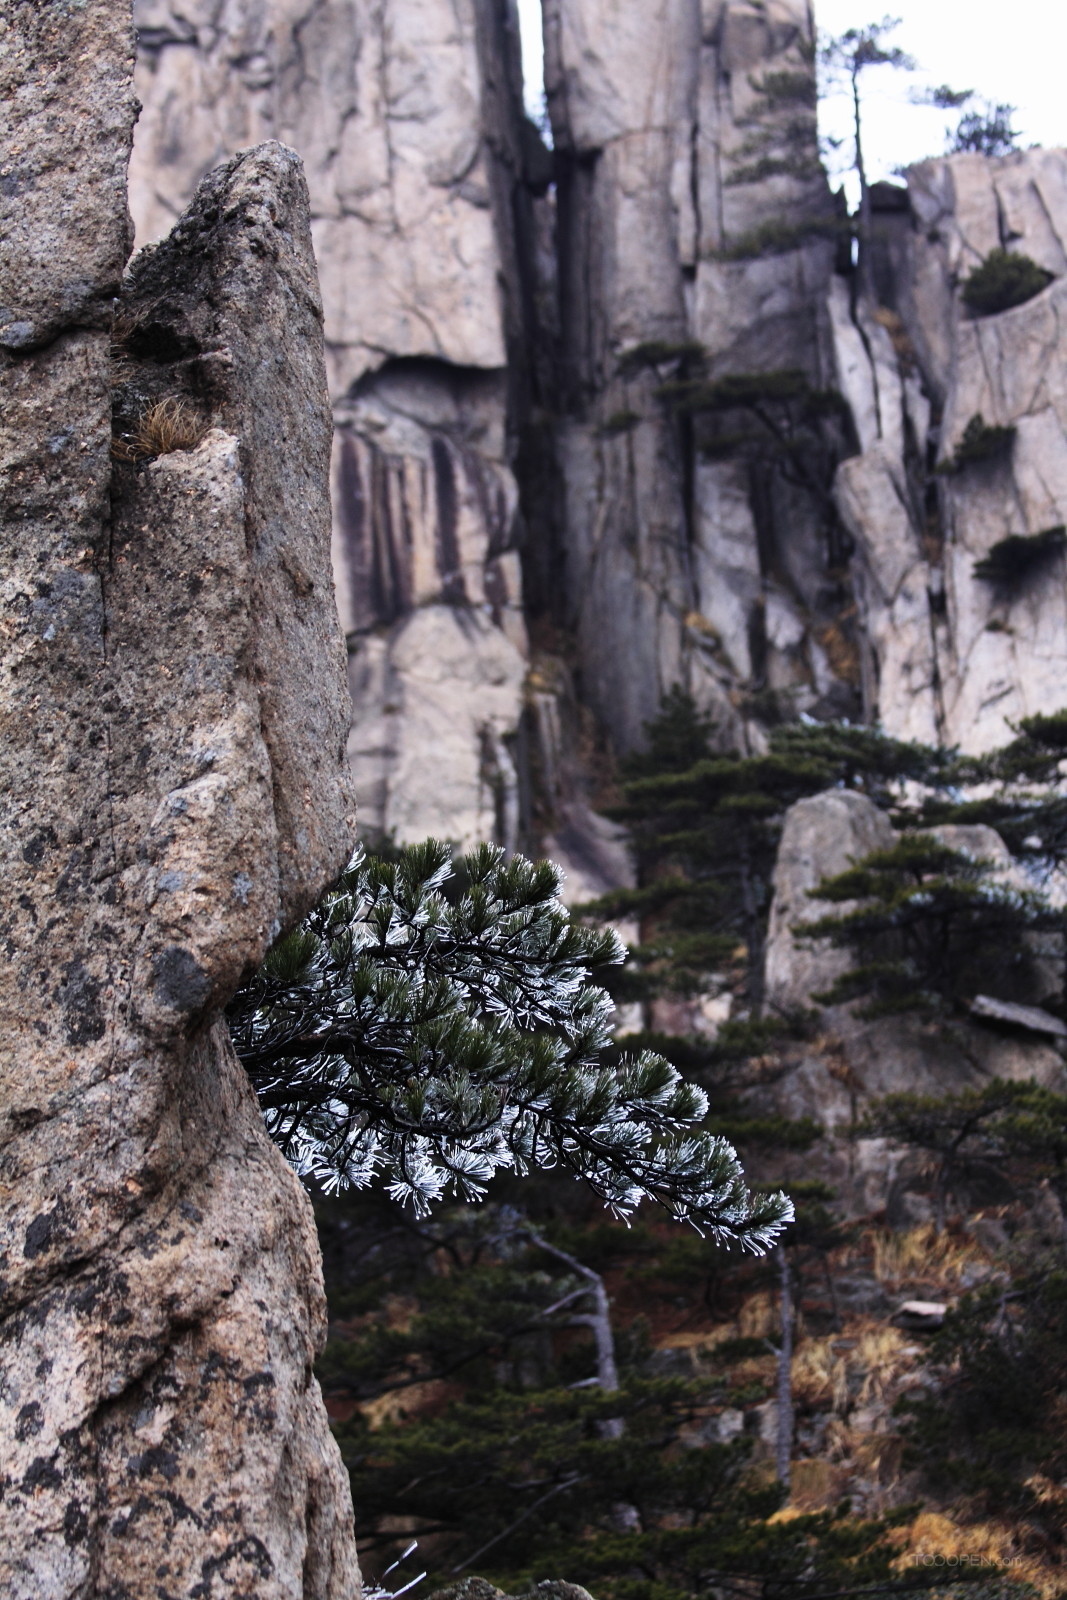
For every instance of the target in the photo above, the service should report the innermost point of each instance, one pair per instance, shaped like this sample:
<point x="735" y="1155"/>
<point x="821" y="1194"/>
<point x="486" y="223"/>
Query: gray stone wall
<point x="952" y="655"/>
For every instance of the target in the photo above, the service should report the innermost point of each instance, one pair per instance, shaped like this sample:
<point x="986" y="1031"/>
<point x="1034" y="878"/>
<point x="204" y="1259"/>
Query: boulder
<point x="821" y="837"/>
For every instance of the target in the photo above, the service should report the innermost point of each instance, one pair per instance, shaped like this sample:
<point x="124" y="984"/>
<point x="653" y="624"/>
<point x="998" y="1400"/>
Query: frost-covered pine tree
<point x="428" y="1037"/>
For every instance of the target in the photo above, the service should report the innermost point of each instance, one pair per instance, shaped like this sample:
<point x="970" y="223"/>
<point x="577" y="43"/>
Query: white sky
<point x="1010" y="50"/>
<point x="533" y="52"/>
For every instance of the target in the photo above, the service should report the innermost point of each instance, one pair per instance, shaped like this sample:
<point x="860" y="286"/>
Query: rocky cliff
<point x="693" y="217"/>
<point x="854" y="1059"/>
<point x="605" y="418"/>
<point x="953" y="655"/>
<point x="407" y="117"/>
<point x="628" y="399"/>
<point x="175" y="792"/>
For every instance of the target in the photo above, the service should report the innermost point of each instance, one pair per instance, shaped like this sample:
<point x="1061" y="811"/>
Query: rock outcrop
<point x="689" y="208"/>
<point x="408" y="118"/>
<point x="820" y="838"/>
<point x="952" y="654"/>
<point x="175" y="792"/>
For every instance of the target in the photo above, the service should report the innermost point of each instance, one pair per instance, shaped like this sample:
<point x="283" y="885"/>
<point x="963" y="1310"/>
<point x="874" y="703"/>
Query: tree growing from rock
<point x="432" y="1041"/>
<point x="1003" y="1126"/>
<point x="477" y="1412"/>
<point x="985" y="129"/>
<point x="983" y="126"/>
<point x="705" y="826"/>
<point x="850" y="55"/>
<point x="930" y="927"/>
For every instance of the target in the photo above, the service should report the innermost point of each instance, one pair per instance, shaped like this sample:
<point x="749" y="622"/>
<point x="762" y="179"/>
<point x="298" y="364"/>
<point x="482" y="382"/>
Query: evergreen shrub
<point x="432" y="1042"/>
<point x="1004" y="279"/>
<point x="980" y="442"/>
<point x="1013" y="559"/>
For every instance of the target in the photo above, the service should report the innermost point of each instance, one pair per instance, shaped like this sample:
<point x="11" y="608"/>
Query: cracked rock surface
<point x="671" y="160"/>
<point x="954" y="656"/>
<point x="173" y="713"/>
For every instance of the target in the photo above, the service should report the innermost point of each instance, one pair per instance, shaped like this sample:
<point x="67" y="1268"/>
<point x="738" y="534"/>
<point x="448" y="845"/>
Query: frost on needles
<point x="430" y="1025"/>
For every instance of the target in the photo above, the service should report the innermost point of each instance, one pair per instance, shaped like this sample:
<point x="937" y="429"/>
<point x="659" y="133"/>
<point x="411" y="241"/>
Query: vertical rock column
<point x="172" y="718"/>
<point x="1002" y="644"/>
<point x="621" y="84"/>
<point x="693" y="217"/>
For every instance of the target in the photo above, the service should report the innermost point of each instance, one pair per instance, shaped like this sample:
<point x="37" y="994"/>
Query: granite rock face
<point x="951" y="654"/>
<point x="64" y="226"/>
<point x="383" y="103"/>
<point x="408" y="118"/>
<point x="693" y="212"/>
<point x="474" y="331"/>
<point x="174" y="792"/>
<point x="477" y="339"/>
<point x="430" y="588"/>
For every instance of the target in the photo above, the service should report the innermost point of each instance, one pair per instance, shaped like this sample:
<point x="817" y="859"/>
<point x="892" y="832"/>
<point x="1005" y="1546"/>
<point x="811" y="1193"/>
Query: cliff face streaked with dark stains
<point x="407" y="121"/>
<point x="501" y="471"/>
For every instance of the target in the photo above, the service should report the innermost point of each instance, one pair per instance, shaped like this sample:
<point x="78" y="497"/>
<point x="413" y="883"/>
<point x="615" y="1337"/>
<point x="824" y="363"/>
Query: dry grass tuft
<point x="758" y="1317"/>
<point x="851" y="1373"/>
<point x="166" y="426"/>
<point x="926" y="1256"/>
<point x="124" y="325"/>
<point x="940" y="1546"/>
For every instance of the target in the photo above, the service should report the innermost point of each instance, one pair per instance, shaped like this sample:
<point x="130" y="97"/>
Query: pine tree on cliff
<point x="940" y="932"/>
<point x="850" y="55"/>
<point x="432" y="1040"/>
<point x="992" y="1428"/>
<point x="931" y="928"/>
<point x="705" y="827"/>
<point x="1021" y="789"/>
<point x="1016" y="1127"/>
